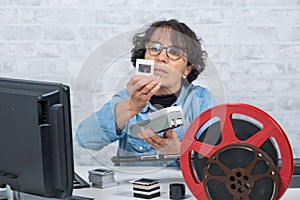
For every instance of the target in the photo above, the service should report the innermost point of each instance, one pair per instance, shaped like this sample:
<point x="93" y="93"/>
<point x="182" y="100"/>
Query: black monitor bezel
<point x="56" y="180"/>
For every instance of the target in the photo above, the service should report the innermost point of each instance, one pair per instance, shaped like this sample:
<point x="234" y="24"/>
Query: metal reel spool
<point x="255" y="178"/>
<point x="257" y="141"/>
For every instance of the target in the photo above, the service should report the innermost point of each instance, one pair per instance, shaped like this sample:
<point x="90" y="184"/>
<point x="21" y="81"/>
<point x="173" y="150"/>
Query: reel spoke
<point x="227" y="131"/>
<point x="209" y="177"/>
<point x="217" y="161"/>
<point x="262" y="136"/>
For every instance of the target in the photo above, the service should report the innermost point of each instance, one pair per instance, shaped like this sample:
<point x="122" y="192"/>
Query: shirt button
<point x="140" y="148"/>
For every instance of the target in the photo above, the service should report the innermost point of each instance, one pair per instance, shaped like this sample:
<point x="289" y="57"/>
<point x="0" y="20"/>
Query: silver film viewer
<point x="161" y="120"/>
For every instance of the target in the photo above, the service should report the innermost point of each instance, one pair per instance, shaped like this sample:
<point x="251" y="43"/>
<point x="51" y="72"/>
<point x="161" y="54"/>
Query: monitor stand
<point x="8" y="194"/>
<point x="3" y="195"/>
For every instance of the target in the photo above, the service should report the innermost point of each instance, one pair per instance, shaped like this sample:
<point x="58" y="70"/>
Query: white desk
<point x="124" y="189"/>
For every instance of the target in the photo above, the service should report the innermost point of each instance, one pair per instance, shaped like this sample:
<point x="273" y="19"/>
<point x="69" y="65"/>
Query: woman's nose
<point x="162" y="56"/>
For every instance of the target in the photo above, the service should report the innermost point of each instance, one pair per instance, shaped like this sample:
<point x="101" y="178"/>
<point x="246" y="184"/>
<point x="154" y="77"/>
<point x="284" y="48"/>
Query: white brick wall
<point x="255" y="46"/>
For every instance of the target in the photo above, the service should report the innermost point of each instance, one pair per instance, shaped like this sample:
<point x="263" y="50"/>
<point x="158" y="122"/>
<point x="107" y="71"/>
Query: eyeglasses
<point x="173" y="52"/>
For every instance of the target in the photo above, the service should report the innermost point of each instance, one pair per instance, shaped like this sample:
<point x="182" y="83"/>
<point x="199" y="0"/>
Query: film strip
<point x="231" y="151"/>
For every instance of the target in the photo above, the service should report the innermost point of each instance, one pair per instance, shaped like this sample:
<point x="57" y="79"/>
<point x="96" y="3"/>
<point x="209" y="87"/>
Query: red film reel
<point x="270" y="130"/>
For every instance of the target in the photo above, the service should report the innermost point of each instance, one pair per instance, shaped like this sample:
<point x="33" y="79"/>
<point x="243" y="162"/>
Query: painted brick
<point x="4" y="2"/>
<point x="22" y="32"/>
<point x="7" y="16"/>
<point x="59" y="33"/>
<point x="271" y="3"/>
<point x="268" y="17"/>
<point x="26" y="2"/>
<point x="230" y="3"/>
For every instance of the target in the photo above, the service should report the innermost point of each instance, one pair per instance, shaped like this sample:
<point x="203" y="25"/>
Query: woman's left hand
<point x="169" y="144"/>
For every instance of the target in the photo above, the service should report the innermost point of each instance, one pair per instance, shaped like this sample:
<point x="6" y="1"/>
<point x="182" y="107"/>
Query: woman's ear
<point x="187" y="71"/>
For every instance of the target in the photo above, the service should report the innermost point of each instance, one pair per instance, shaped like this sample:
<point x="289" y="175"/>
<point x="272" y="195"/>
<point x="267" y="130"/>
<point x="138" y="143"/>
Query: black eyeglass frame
<point x="163" y="47"/>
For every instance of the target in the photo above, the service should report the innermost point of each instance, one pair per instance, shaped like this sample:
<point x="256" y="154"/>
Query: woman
<point x="179" y="59"/>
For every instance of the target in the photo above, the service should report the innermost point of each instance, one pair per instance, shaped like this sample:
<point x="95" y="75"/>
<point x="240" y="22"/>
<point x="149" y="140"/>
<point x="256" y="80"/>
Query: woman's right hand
<point x="141" y="89"/>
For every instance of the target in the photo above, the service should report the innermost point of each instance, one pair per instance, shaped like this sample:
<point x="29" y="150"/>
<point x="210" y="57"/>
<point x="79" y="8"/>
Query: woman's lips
<point x="159" y="70"/>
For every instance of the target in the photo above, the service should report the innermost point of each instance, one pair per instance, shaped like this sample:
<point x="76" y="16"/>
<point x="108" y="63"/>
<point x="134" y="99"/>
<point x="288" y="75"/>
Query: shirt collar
<point x="185" y="90"/>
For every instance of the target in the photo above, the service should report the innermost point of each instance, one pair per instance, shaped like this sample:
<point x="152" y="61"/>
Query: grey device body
<point x="161" y="120"/>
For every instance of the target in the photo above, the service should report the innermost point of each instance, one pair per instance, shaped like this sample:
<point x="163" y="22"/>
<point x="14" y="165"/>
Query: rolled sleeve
<point x="99" y="130"/>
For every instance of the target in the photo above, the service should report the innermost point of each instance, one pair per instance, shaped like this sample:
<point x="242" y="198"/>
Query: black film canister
<point x="177" y="190"/>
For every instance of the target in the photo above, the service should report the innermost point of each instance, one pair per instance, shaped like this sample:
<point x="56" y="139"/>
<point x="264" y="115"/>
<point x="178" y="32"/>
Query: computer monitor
<point x="36" y="150"/>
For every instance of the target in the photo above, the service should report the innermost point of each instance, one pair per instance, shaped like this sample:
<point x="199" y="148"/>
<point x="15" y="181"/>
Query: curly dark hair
<point x="186" y="38"/>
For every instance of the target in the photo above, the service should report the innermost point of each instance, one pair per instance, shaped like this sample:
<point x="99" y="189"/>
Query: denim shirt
<point x="99" y="130"/>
